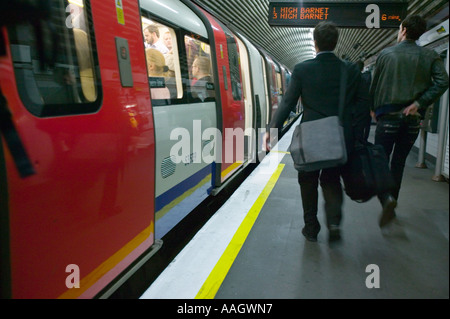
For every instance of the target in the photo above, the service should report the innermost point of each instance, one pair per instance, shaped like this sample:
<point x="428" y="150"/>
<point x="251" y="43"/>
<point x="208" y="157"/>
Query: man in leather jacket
<point x="407" y="79"/>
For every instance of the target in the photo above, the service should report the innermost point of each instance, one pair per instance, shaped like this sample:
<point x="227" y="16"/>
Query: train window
<point x="163" y="64"/>
<point x="279" y="84"/>
<point x="72" y="84"/>
<point x="233" y="57"/>
<point x="201" y="79"/>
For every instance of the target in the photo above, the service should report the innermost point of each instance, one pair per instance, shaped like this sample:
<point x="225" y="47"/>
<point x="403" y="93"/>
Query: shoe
<point x="334" y="233"/>
<point x="388" y="213"/>
<point x="309" y="237"/>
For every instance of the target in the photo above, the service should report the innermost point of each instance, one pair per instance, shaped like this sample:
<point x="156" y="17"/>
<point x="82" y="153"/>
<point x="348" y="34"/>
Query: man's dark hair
<point x="153" y="28"/>
<point x="415" y="26"/>
<point x="326" y="35"/>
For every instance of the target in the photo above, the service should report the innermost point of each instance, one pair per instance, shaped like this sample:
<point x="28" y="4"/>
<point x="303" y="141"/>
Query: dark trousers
<point x="397" y="134"/>
<point x="330" y="183"/>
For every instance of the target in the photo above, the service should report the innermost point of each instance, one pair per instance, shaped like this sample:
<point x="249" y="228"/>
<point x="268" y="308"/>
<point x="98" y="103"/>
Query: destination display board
<point x="381" y="14"/>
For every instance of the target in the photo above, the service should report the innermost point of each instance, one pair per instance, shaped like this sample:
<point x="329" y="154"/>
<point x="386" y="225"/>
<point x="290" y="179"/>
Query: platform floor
<point x="252" y="248"/>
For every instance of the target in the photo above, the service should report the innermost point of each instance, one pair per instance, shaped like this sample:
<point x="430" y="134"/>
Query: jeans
<point x="332" y="192"/>
<point x="397" y="134"/>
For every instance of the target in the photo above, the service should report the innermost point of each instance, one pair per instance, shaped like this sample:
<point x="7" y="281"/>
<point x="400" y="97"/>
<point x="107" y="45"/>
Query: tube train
<point x="103" y="130"/>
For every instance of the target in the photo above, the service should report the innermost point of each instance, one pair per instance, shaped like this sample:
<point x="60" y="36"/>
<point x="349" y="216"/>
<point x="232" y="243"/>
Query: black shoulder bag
<point x="367" y="172"/>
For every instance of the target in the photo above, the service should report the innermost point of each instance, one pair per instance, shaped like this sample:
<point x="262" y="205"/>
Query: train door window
<point x="72" y="84"/>
<point x="278" y="80"/>
<point x="279" y="85"/>
<point x="233" y="57"/>
<point x="288" y="78"/>
<point x="163" y="63"/>
<point x="266" y="85"/>
<point x="245" y="70"/>
<point x="201" y="78"/>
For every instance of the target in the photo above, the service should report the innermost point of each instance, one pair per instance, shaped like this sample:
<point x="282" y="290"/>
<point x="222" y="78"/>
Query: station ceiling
<point x="291" y="45"/>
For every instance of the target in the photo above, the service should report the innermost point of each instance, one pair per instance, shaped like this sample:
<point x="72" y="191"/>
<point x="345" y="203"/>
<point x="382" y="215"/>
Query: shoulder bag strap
<point x="344" y="76"/>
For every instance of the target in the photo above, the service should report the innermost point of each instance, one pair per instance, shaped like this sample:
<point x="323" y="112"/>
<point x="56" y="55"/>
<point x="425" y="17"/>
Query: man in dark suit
<point x="317" y="82"/>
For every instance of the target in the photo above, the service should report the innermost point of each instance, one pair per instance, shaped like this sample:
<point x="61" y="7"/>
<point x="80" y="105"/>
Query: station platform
<point x="252" y="248"/>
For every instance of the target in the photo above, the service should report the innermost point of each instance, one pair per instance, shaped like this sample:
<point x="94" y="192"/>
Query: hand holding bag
<point x="320" y="143"/>
<point x="367" y="172"/>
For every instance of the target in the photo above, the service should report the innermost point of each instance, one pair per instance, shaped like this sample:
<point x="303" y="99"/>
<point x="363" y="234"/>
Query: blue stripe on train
<point x="181" y="188"/>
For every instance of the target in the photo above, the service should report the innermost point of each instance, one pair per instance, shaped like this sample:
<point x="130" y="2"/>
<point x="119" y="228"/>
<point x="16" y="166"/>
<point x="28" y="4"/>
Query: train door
<point x="234" y="118"/>
<point x="232" y="113"/>
<point x="259" y="96"/>
<point x="249" y="133"/>
<point x="272" y="86"/>
<point x="181" y="82"/>
<point x="87" y="126"/>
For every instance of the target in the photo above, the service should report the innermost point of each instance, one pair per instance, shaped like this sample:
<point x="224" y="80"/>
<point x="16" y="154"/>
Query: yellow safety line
<point x="282" y="152"/>
<point x="217" y="275"/>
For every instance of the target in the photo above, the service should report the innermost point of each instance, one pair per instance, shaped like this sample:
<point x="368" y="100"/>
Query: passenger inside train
<point x="157" y="72"/>
<point x="169" y="56"/>
<point x="152" y="39"/>
<point x="201" y="85"/>
<point x="172" y="74"/>
<point x="200" y="70"/>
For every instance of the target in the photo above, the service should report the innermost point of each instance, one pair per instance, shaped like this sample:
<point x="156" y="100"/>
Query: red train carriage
<point x="104" y="129"/>
<point x="90" y="137"/>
